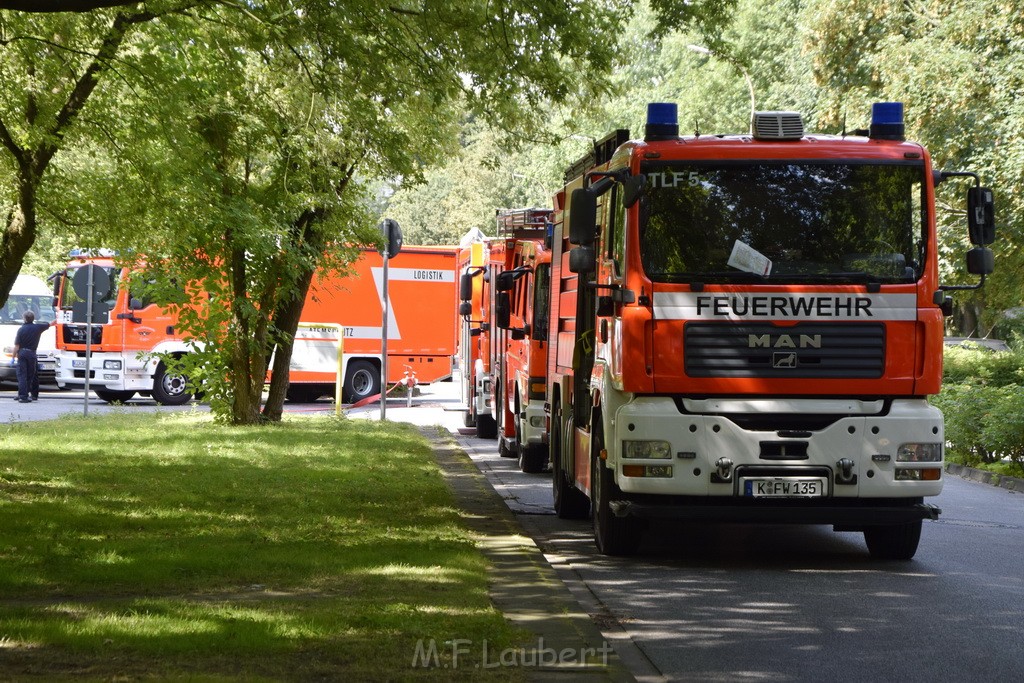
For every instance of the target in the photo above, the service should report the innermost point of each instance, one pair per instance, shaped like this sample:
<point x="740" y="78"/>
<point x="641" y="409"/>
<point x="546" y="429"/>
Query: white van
<point x="29" y="293"/>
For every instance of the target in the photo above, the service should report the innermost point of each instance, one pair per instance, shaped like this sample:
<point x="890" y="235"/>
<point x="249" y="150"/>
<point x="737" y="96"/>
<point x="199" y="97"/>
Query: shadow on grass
<point x="293" y="551"/>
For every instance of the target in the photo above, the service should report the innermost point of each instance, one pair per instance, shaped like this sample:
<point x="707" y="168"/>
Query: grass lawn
<point x="168" y="547"/>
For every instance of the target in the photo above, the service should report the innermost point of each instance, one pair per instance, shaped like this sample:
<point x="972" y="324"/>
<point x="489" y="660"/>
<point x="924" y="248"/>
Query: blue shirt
<point x="28" y="335"/>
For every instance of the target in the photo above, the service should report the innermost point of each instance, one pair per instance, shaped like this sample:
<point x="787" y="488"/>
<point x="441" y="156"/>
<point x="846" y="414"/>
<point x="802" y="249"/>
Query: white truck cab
<point x="29" y="293"/>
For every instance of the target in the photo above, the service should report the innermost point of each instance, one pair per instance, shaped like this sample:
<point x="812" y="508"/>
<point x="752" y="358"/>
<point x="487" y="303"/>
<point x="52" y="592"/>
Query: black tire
<point x="362" y="380"/>
<point x="532" y="458"/>
<point x="486" y="426"/>
<point x="613" y="535"/>
<point x="168" y="389"/>
<point x="505" y="449"/>
<point x="569" y="502"/>
<point x="893" y="542"/>
<point x="111" y="396"/>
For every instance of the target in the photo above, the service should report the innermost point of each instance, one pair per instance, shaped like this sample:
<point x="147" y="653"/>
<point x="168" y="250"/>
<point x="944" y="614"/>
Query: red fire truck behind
<point x="745" y="328"/>
<point x="521" y="314"/>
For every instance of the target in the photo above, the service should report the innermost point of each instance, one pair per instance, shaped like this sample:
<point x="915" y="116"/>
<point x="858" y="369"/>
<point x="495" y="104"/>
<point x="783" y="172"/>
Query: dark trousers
<point x="28" y="374"/>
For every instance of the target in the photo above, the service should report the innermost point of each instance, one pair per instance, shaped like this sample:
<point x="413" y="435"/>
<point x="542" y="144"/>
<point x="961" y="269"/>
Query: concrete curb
<point x="523" y="585"/>
<point x="1015" y="484"/>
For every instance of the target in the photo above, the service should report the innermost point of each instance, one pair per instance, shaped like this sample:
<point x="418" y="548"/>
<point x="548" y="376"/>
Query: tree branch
<point x="53" y="6"/>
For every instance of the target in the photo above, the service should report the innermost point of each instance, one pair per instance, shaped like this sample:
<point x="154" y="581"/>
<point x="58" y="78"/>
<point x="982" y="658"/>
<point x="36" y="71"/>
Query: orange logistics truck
<point x="128" y="347"/>
<point x="746" y="328"/>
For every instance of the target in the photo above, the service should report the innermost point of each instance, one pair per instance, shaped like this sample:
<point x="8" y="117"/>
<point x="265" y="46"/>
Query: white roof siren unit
<point x="777" y="125"/>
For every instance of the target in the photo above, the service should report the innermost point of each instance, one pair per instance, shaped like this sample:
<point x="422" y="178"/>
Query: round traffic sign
<point x="100" y="282"/>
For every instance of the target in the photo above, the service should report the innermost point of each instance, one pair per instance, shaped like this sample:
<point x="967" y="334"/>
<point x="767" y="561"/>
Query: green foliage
<point x="964" y="408"/>
<point x="981" y="366"/>
<point x="982" y="400"/>
<point x="316" y="549"/>
<point x="1003" y="429"/>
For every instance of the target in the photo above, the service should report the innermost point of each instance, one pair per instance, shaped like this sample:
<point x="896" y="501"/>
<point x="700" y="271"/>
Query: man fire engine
<point x="745" y="328"/>
<point x="521" y="312"/>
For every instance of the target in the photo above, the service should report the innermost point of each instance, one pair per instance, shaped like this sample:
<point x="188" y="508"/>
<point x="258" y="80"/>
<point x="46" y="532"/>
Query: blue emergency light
<point x="887" y="121"/>
<point x="662" y="121"/>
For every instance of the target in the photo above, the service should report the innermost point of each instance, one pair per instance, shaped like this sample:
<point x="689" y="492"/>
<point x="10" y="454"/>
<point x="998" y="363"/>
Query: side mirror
<point x="582" y="259"/>
<point x="135" y="304"/>
<point x="502" y="310"/>
<point x="980" y="261"/>
<point x="466" y="287"/>
<point x="582" y="216"/>
<point x="981" y="221"/>
<point x="633" y="189"/>
<point x="505" y="281"/>
<point x="465" y="308"/>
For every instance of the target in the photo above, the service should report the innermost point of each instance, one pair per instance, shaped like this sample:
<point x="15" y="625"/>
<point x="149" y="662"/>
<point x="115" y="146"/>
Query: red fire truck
<point x="475" y="331"/>
<point x="746" y="328"/>
<point x="521" y="313"/>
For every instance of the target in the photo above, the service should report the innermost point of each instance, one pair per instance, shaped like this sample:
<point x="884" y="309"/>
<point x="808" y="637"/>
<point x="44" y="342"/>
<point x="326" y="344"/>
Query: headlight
<point x="658" y="450"/>
<point x="111" y="365"/>
<point x="919" y="452"/>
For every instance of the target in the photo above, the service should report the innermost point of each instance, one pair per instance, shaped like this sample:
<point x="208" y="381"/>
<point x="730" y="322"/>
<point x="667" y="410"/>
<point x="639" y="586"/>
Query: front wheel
<point x="893" y="542"/>
<point x="613" y="535"/>
<point x="486" y="426"/>
<point x="569" y="502"/>
<point x="532" y="457"/>
<point x="111" y="396"/>
<point x="168" y="389"/>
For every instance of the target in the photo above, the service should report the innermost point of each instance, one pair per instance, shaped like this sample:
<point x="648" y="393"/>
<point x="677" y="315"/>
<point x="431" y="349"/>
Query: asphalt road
<point x="761" y="603"/>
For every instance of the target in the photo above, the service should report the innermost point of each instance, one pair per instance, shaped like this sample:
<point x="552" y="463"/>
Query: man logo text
<point x="784" y="341"/>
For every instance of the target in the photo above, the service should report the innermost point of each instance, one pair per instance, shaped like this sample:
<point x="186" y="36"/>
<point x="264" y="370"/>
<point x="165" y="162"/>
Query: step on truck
<point x="746" y="328"/>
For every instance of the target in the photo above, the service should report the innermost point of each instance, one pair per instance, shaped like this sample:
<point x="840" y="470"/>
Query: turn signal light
<point x="929" y="474"/>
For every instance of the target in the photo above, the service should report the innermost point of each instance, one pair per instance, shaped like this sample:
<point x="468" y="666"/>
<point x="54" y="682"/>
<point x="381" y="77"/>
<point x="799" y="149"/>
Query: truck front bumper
<point x="844" y="514"/>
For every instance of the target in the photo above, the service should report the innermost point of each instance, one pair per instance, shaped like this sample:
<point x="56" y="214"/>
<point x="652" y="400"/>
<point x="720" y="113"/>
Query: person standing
<point x="26" y="342"/>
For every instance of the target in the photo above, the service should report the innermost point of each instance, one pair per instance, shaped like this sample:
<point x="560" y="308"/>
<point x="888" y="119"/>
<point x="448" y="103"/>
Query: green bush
<point x="964" y="407"/>
<point x="977" y="365"/>
<point x="1003" y="423"/>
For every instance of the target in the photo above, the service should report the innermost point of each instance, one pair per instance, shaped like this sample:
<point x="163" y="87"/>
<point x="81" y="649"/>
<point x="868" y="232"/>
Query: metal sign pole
<point x="88" y="340"/>
<point x="384" y="340"/>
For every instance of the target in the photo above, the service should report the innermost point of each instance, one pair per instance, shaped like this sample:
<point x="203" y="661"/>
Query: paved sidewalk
<point x="523" y="584"/>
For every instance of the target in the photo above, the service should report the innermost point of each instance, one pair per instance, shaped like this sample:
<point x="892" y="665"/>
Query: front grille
<point x="805" y="350"/>
<point x="75" y="334"/>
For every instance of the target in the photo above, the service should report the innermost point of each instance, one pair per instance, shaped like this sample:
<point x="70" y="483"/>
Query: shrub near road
<point x="982" y="399"/>
<point x="171" y="547"/>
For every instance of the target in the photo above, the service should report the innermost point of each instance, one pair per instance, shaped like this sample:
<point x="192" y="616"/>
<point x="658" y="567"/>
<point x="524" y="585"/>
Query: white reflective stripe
<point x="378" y="281"/>
<point x="783" y="306"/>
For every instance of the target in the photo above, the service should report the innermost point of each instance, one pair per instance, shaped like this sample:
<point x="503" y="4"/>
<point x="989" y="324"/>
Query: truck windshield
<point x="13" y="312"/>
<point x="781" y="222"/>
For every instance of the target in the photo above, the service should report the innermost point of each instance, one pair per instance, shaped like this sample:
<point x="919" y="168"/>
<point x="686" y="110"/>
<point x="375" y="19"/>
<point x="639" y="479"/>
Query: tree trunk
<point x="287" y="314"/>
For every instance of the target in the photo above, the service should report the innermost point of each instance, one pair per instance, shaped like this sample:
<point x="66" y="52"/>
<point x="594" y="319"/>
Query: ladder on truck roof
<point x="522" y="223"/>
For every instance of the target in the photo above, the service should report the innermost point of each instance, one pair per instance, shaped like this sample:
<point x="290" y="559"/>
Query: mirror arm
<point x="963" y="288"/>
